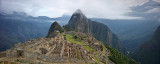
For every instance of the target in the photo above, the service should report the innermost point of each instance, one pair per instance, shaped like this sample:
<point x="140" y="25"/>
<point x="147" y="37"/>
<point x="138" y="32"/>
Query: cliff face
<point x="80" y="23"/>
<point x="149" y="51"/>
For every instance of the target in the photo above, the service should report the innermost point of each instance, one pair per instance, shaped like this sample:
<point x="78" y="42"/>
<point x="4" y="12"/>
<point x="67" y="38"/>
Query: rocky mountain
<point x="54" y="26"/>
<point x="68" y="47"/>
<point x="80" y="23"/>
<point x="149" y="51"/>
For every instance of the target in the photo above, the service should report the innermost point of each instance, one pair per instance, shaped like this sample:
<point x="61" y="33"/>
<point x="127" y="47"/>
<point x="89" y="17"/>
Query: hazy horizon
<point x="107" y="9"/>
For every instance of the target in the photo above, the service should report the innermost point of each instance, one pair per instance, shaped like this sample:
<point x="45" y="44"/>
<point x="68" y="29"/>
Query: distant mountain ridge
<point x="132" y="32"/>
<point x="80" y="23"/>
<point x="15" y="29"/>
<point x="129" y="31"/>
<point x="149" y="52"/>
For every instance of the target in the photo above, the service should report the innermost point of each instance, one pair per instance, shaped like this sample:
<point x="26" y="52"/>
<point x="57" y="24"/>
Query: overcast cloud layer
<point x="109" y="9"/>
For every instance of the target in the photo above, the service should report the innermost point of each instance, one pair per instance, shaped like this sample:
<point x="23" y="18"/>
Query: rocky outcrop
<point x="80" y="23"/>
<point x="53" y="30"/>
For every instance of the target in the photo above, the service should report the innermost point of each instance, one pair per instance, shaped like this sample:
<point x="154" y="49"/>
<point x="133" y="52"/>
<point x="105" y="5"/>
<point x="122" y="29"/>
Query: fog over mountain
<point x="114" y="9"/>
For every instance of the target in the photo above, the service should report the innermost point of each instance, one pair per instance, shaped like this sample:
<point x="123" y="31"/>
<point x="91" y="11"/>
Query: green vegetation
<point x="67" y="27"/>
<point x="98" y="61"/>
<point x="71" y="38"/>
<point x="6" y="62"/>
<point x="96" y="55"/>
<point x="114" y="55"/>
<point x="119" y="58"/>
<point x="88" y="48"/>
<point x="103" y="49"/>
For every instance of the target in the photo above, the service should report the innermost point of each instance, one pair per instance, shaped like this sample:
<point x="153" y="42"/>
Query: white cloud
<point x="154" y="10"/>
<point x="111" y="9"/>
<point x="157" y="0"/>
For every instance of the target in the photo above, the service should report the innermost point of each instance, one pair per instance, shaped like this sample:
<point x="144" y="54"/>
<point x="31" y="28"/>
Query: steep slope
<point x="55" y="26"/>
<point x="134" y="32"/>
<point x="68" y="47"/>
<point x="131" y="32"/>
<point x="13" y="31"/>
<point x="149" y="51"/>
<point x="79" y="22"/>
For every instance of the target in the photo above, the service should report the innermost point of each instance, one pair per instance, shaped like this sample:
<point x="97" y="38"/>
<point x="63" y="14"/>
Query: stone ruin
<point x="53" y="50"/>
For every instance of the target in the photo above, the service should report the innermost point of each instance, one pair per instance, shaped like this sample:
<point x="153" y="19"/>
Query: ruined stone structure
<point x="56" y="50"/>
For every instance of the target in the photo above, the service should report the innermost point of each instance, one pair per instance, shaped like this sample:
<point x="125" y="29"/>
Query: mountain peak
<point x="53" y="30"/>
<point x="78" y="11"/>
<point x="79" y="22"/>
<point x="56" y="23"/>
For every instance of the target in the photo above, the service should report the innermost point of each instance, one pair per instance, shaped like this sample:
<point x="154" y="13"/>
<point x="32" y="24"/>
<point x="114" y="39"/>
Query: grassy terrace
<point x="88" y="48"/>
<point x="71" y="39"/>
<point x="98" y="61"/>
<point x="103" y="49"/>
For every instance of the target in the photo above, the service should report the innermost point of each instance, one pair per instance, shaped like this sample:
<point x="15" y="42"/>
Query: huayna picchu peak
<point x="75" y="45"/>
<point x="80" y="23"/>
<point x="78" y="11"/>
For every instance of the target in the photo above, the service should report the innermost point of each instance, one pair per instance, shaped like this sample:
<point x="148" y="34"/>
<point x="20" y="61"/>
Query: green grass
<point x="70" y="39"/>
<point x="97" y="60"/>
<point x="103" y="49"/>
<point x="88" y="48"/>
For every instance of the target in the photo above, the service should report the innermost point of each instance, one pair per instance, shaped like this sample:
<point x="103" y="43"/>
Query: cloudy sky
<point x="109" y="9"/>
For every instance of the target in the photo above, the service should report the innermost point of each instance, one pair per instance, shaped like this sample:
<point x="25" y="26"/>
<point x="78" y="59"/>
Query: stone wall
<point x="2" y="54"/>
<point x="11" y="54"/>
<point x="30" y="55"/>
